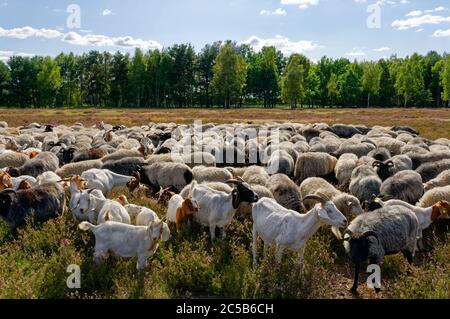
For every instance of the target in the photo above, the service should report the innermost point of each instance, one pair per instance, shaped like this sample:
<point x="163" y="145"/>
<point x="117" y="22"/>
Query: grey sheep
<point x="122" y="153"/>
<point x="256" y="175"/>
<point x="211" y="174"/>
<point x="435" y="195"/>
<point x="12" y="159"/>
<point x="365" y="183"/>
<point x="431" y="170"/>
<point x="285" y="192"/>
<point x="41" y="203"/>
<point x="386" y="231"/>
<point x="419" y="159"/>
<point x="166" y="174"/>
<point x="280" y="162"/>
<point x="349" y="205"/>
<point x="72" y="169"/>
<point x="380" y="154"/>
<point x="125" y="166"/>
<point x="344" y="168"/>
<point x="314" y="165"/>
<point x="45" y="161"/>
<point x="443" y="179"/>
<point x="405" y="185"/>
<point x="355" y="146"/>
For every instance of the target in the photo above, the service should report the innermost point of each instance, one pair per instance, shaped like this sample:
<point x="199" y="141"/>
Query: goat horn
<point x="90" y="190"/>
<point x="8" y="190"/>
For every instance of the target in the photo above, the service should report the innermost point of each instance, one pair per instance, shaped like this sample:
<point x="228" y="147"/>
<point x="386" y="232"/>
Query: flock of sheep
<point x="383" y="185"/>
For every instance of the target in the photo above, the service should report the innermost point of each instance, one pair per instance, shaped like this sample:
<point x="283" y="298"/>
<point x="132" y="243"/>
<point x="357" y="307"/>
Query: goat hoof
<point x="377" y="290"/>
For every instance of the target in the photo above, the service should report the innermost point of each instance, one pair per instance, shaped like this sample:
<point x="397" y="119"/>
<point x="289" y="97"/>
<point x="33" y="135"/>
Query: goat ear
<point x="323" y="214"/>
<point x="150" y="230"/>
<point x="165" y="232"/>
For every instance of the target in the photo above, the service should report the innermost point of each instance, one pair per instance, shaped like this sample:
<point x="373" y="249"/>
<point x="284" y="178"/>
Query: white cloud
<point x="277" y="12"/>
<point x="302" y="4"/>
<point x="419" y="21"/>
<point x="77" y="39"/>
<point x="106" y="41"/>
<point x="419" y="30"/>
<point x="5" y="55"/>
<point x="283" y="44"/>
<point x="107" y="12"/>
<point x="360" y="1"/>
<point x="356" y="52"/>
<point x="441" y="33"/>
<point x="27" y="32"/>
<point x="438" y="9"/>
<point x="415" y="13"/>
<point x="382" y="49"/>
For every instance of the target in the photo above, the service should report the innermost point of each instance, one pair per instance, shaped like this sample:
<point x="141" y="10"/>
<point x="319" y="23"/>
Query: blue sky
<point x="336" y="28"/>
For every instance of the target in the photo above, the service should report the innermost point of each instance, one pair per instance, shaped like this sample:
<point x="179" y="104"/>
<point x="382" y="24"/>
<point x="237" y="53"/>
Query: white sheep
<point x="127" y="240"/>
<point x="287" y="229"/>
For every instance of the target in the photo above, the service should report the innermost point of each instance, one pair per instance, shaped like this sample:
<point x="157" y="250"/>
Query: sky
<point x="356" y="29"/>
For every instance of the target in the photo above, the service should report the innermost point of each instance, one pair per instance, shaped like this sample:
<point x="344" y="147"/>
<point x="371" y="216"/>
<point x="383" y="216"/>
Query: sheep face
<point x="383" y="169"/>
<point x="6" y="199"/>
<point x="329" y="214"/>
<point x="354" y="205"/>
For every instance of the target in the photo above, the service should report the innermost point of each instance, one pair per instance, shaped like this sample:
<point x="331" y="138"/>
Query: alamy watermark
<point x="74" y="19"/>
<point x="73" y="281"/>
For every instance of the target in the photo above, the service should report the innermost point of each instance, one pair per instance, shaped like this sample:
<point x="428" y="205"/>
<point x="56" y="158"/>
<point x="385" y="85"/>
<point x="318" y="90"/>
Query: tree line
<point x="222" y="74"/>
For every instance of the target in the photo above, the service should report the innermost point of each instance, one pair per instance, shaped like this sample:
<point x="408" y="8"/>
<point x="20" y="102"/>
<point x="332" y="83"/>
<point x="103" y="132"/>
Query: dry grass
<point x="431" y="123"/>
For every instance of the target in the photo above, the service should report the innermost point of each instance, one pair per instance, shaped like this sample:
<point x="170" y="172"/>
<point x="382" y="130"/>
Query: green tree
<point x="23" y="83"/>
<point x="445" y="79"/>
<point x="205" y="73"/>
<point x="119" y="81"/>
<point x="4" y="81"/>
<point x="313" y="86"/>
<point x="350" y="86"/>
<point x="333" y="89"/>
<point x="409" y="83"/>
<point x="371" y="80"/>
<point x="69" y="93"/>
<point x="137" y="76"/>
<point x="48" y="81"/>
<point x="293" y="84"/>
<point x="230" y="73"/>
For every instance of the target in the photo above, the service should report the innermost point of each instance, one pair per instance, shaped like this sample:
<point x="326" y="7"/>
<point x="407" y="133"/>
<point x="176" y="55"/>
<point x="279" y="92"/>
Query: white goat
<point x="286" y="228"/>
<point x="104" y="180"/>
<point x="127" y="240"/>
<point x="216" y="208"/>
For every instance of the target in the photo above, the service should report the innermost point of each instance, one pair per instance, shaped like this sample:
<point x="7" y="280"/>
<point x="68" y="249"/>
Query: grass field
<point x="431" y="123"/>
<point x="33" y="262"/>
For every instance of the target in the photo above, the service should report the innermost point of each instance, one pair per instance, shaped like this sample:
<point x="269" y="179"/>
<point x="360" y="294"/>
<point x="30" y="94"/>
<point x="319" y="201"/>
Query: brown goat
<point x="24" y="185"/>
<point x="187" y="209"/>
<point x="5" y="181"/>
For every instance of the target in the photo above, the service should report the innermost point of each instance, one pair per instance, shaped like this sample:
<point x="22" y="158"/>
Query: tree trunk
<point x="368" y="100"/>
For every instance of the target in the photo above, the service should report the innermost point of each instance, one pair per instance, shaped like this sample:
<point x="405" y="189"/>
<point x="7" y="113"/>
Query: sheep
<point x="442" y="179"/>
<point x="127" y="240"/>
<point x="255" y="175"/>
<point x="166" y="174"/>
<point x="245" y="209"/>
<point x="125" y="166"/>
<point x="78" y="168"/>
<point x="12" y="159"/>
<point x="286" y="229"/>
<point x="6" y="181"/>
<point x="431" y="170"/>
<point x="344" y="168"/>
<point x="425" y="216"/>
<point x="285" y="192"/>
<point x="419" y="159"/>
<point x="41" y="203"/>
<point x="199" y="158"/>
<point x="386" y="231"/>
<point x="347" y="204"/>
<point x="344" y="131"/>
<point x="73" y="155"/>
<point x="45" y="161"/>
<point x="121" y="153"/>
<point x="179" y="210"/>
<point x="211" y="174"/>
<point x="104" y="180"/>
<point x="237" y="171"/>
<point x="405" y="185"/>
<point x="364" y="183"/>
<point x="380" y="154"/>
<point x="355" y="146"/>
<point x="280" y="162"/>
<point x="216" y="208"/>
<point x="435" y="195"/>
<point x="313" y="165"/>
<point x="391" y="144"/>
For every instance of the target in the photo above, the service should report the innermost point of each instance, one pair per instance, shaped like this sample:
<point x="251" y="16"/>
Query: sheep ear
<point x="349" y="203"/>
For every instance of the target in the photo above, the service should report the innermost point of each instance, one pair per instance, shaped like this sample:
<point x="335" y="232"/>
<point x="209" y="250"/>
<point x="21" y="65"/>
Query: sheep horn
<point x="316" y="198"/>
<point x="370" y="233"/>
<point x="376" y="164"/>
<point x="8" y="190"/>
<point x="389" y="163"/>
<point x="234" y="181"/>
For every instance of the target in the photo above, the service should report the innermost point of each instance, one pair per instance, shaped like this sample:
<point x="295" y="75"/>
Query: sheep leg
<point x="266" y="249"/>
<point x="99" y="255"/>
<point x="355" y="282"/>
<point x="212" y="231"/>
<point x="408" y="255"/>
<point x="255" y="243"/>
<point x="279" y="254"/>
<point x="223" y="232"/>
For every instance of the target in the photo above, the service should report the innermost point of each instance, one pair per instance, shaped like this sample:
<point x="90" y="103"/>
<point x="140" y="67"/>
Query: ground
<point x="431" y="123"/>
<point x="33" y="261"/>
